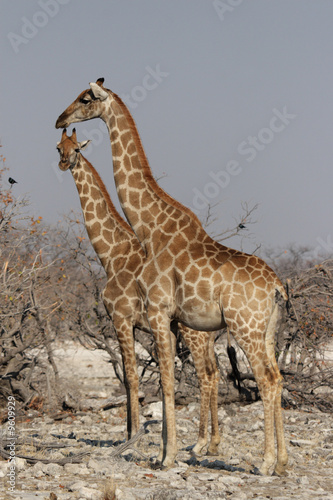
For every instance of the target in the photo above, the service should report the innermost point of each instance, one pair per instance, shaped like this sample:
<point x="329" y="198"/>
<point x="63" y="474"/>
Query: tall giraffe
<point x="123" y="258"/>
<point x="187" y="275"/>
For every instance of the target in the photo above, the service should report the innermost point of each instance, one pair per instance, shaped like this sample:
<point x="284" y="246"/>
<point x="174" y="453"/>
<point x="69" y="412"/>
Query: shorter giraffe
<point x="122" y="258"/>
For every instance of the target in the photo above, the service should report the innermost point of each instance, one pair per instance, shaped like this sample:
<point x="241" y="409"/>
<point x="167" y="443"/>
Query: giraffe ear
<point x="98" y="92"/>
<point x="82" y="145"/>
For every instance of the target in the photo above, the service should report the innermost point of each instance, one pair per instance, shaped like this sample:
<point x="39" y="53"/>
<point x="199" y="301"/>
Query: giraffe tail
<point x="233" y="361"/>
<point x="270" y="340"/>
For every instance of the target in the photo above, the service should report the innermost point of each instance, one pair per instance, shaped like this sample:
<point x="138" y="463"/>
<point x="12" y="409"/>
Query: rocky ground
<point x="129" y="475"/>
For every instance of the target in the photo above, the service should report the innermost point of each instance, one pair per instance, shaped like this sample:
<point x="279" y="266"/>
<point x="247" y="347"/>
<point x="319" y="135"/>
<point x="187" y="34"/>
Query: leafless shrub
<point x="50" y="289"/>
<point x="27" y="304"/>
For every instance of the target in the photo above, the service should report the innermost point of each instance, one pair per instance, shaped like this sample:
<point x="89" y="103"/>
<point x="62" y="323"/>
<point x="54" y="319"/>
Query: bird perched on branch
<point x="12" y="181"/>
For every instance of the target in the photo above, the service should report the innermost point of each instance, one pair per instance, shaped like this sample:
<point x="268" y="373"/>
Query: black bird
<point x="241" y="226"/>
<point x="12" y="181"/>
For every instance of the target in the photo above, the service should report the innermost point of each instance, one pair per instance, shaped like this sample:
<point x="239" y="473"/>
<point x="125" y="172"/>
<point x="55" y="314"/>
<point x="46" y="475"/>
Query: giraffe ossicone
<point x="189" y="277"/>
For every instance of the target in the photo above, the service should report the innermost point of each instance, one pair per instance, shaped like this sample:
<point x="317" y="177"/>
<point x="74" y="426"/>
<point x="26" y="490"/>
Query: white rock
<point x="154" y="410"/>
<point x="52" y="469"/>
<point x="75" y="469"/>
<point x="231" y="480"/>
<point x="20" y="463"/>
<point x="89" y="493"/>
<point x="206" y="476"/>
<point x="239" y="495"/>
<point x="302" y="442"/>
<point x="76" y="485"/>
<point x="124" y="495"/>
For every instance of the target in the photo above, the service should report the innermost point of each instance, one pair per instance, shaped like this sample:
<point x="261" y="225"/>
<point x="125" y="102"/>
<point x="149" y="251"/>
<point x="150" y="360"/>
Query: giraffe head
<point x="69" y="150"/>
<point x="86" y="106"/>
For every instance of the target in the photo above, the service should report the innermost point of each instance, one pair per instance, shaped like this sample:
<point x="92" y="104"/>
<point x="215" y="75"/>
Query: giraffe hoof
<point x="280" y="473"/>
<point x="194" y="454"/>
<point x="256" y="471"/>
<point x="213" y="451"/>
<point x="156" y="465"/>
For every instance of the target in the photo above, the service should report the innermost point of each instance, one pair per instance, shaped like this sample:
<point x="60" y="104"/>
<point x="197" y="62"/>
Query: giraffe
<point x="188" y="276"/>
<point x="122" y="258"/>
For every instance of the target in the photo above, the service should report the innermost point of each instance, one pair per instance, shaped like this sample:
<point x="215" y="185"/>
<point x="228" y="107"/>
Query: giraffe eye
<point x="84" y="100"/>
<point x="77" y="150"/>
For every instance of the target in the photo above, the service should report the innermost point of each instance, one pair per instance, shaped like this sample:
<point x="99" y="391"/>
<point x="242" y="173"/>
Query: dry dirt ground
<point x="130" y="474"/>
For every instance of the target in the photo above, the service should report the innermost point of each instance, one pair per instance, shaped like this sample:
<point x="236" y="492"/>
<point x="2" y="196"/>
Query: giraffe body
<point x="188" y="276"/>
<point x="123" y="258"/>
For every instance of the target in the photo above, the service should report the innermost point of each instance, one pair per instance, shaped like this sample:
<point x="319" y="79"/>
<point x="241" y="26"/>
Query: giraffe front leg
<point x="160" y="455"/>
<point x="131" y="382"/>
<point x="160" y="325"/>
<point x="131" y="379"/>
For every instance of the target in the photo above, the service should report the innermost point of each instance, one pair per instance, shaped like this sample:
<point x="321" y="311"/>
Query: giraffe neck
<point x="145" y="204"/>
<point x="104" y="225"/>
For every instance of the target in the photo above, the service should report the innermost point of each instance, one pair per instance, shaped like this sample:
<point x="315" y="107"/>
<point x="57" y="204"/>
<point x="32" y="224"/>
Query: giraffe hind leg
<point x="282" y="455"/>
<point x="267" y="382"/>
<point x="215" y="435"/>
<point x="201" y="345"/>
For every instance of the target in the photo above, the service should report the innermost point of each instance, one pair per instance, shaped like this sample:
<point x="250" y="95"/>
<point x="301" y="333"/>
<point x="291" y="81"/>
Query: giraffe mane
<point x="145" y="165"/>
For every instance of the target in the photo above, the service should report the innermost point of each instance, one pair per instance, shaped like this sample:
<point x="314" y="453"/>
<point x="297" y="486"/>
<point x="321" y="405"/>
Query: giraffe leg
<point x="269" y="453"/>
<point x="205" y="393"/>
<point x="201" y="345"/>
<point x="159" y="458"/>
<point x="126" y="342"/>
<point x="199" y="355"/>
<point x="282" y="455"/>
<point x="215" y="435"/>
<point x="160" y="325"/>
<point x="267" y="382"/>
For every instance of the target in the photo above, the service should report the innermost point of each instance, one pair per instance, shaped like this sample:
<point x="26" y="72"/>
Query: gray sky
<point x="232" y="99"/>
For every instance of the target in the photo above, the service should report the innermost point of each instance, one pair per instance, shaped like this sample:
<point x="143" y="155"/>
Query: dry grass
<point x="109" y="490"/>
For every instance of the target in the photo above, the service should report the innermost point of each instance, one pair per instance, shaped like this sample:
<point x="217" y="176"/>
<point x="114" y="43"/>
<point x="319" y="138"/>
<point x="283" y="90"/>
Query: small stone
<point x="302" y="480"/>
<point x="234" y="461"/>
<point x="302" y="442"/>
<point x="52" y="469"/>
<point x="154" y="410"/>
<point x="20" y="464"/>
<point x="205" y="476"/>
<point x="76" y="469"/>
<point x="87" y="420"/>
<point x="89" y="493"/>
<point x="124" y="495"/>
<point x="239" y="495"/>
<point x="231" y="480"/>
<point x="76" y="485"/>
<point x="256" y="426"/>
